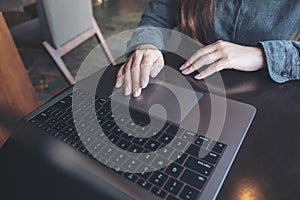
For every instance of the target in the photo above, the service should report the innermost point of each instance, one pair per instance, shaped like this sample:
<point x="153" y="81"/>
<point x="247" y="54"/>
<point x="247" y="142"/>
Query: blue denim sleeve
<point x="157" y="14"/>
<point x="283" y="59"/>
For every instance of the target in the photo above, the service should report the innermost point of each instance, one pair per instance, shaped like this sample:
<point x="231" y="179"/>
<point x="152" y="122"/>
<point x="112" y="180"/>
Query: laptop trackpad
<point x="162" y="100"/>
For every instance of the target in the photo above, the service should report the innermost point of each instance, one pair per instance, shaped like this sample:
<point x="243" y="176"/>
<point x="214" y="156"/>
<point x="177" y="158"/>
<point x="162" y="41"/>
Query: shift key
<point x="193" y="179"/>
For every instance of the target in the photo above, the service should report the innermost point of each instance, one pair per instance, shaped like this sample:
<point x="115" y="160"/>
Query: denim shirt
<point x="270" y="24"/>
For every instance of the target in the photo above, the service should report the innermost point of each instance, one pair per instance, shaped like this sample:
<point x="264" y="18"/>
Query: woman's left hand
<point x="224" y="55"/>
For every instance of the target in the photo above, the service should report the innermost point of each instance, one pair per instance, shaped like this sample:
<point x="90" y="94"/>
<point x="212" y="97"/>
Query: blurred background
<point x="112" y="16"/>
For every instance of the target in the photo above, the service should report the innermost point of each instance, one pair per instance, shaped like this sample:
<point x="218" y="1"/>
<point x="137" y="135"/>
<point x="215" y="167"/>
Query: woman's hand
<point x="224" y="55"/>
<point x="146" y="61"/>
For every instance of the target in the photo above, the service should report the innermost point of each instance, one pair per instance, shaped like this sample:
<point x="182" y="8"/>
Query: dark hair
<point x="197" y="18"/>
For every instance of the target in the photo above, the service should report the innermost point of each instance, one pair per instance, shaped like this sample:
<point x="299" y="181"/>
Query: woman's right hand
<point x="134" y="74"/>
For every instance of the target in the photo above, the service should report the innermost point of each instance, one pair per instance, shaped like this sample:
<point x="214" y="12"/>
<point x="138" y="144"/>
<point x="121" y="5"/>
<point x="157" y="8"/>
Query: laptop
<point x="59" y="145"/>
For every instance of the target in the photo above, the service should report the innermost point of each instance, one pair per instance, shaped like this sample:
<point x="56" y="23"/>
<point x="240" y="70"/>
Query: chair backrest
<point x="63" y="20"/>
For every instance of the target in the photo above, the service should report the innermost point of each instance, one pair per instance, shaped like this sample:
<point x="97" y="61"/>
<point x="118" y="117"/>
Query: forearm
<point x="157" y="14"/>
<point x="282" y="59"/>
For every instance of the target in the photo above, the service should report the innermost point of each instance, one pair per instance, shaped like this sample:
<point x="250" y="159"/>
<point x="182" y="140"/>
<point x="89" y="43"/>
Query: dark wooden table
<point x="268" y="163"/>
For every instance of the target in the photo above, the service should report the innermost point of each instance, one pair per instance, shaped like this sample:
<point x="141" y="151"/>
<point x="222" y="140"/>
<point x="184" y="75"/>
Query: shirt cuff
<point x="282" y="59"/>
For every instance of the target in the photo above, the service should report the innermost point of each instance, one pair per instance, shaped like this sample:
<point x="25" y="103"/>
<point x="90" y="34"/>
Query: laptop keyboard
<point x="185" y="178"/>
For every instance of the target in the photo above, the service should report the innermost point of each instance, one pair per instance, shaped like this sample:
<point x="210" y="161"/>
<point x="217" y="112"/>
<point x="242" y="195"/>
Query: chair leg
<point x="103" y="43"/>
<point x="59" y="62"/>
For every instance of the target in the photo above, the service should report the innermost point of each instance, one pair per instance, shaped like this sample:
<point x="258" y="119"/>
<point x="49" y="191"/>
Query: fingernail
<point x="153" y="73"/>
<point x="198" y="77"/>
<point x="185" y="71"/>
<point x="118" y="84"/>
<point x="137" y="93"/>
<point x="182" y="67"/>
<point x="127" y="91"/>
<point x="143" y="84"/>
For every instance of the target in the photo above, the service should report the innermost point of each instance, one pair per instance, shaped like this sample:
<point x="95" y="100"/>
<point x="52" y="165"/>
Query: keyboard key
<point x="97" y="146"/>
<point x="193" y="150"/>
<point x="87" y="140"/>
<point x="173" y="186"/>
<point x="166" y="151"/>
<point x="166" y="138"/>
<point x="119" y="158"/>
<point x="100" y="120"/>
<point x="140" y="141"/>
<point x="158" y="178"/>
<point x="144" y="184"/>
<point x="172" y="130"/>
<point x="33" y="121"/>
<point x="63" y="105"/>
<point x="51" y="110"/>
<point x="145" y="171"/>
<point x="154" y="133"/>
<point x="52" y="121"/>
<point x="57" y="113"/>
<point x="180" y="157"/>
<point x="68" y="131"/>
<point x="131" y="125"/>
<point x="199" y="166"/>
<point x="159" y="162"/>
<point x="179" y="144"/>
<point x="89" y="116"/>
<point x="74" y="137"/>
<point x="193" y="179"/>
<point x="202" y="141"/>
<point x="83" y="150"/>
<point x="42" y="117"/>
<point x="116" y="130"/>
<point x="121" y="120"/>
<point x="146" y="157"/>
<point x="211" y="157"/>
<point x="108" y="125"/>
<point x="159" y="192"/>
<point x="124" y="144"/>
<point x="142" y="130"/>
<point x="107" y="152"/>
<point x="127" y="135"/>
<point x="100" y="101"/>
<point x="102" y="112"/>
<point x="111" y="117"/>
<point x="174" y="170"/>
<point x="135" y="149"/>
<point x="152" y="145"/>
<point x="189" y="136"/>
<point x="113" y="138"/>
<point x="189" y="193"/>
<point x="130" y="176"/>
<point x="66" y="117"/>
<point x="82" y="125"/>
<point x="92" y="130"/>
<point x="217" y="147"/>
<point x="131" y="164"/>
<point x="60" y="126"/>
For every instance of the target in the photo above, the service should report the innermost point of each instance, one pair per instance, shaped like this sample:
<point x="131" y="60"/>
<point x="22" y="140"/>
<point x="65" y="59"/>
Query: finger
<point x="202" y="61"/>
<point x="216" y="67"/>
<point x="127" y="78"/>
<point x="158" y="65"/>
<point x="120" y="77"/>
<point x="201" y="52"/>
<point x="135" y="75"/>
<point x="146" y="66"/>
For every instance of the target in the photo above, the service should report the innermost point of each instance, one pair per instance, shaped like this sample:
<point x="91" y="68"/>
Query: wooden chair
<point x="65" y="25"/>
<point x="17" y="96"/>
